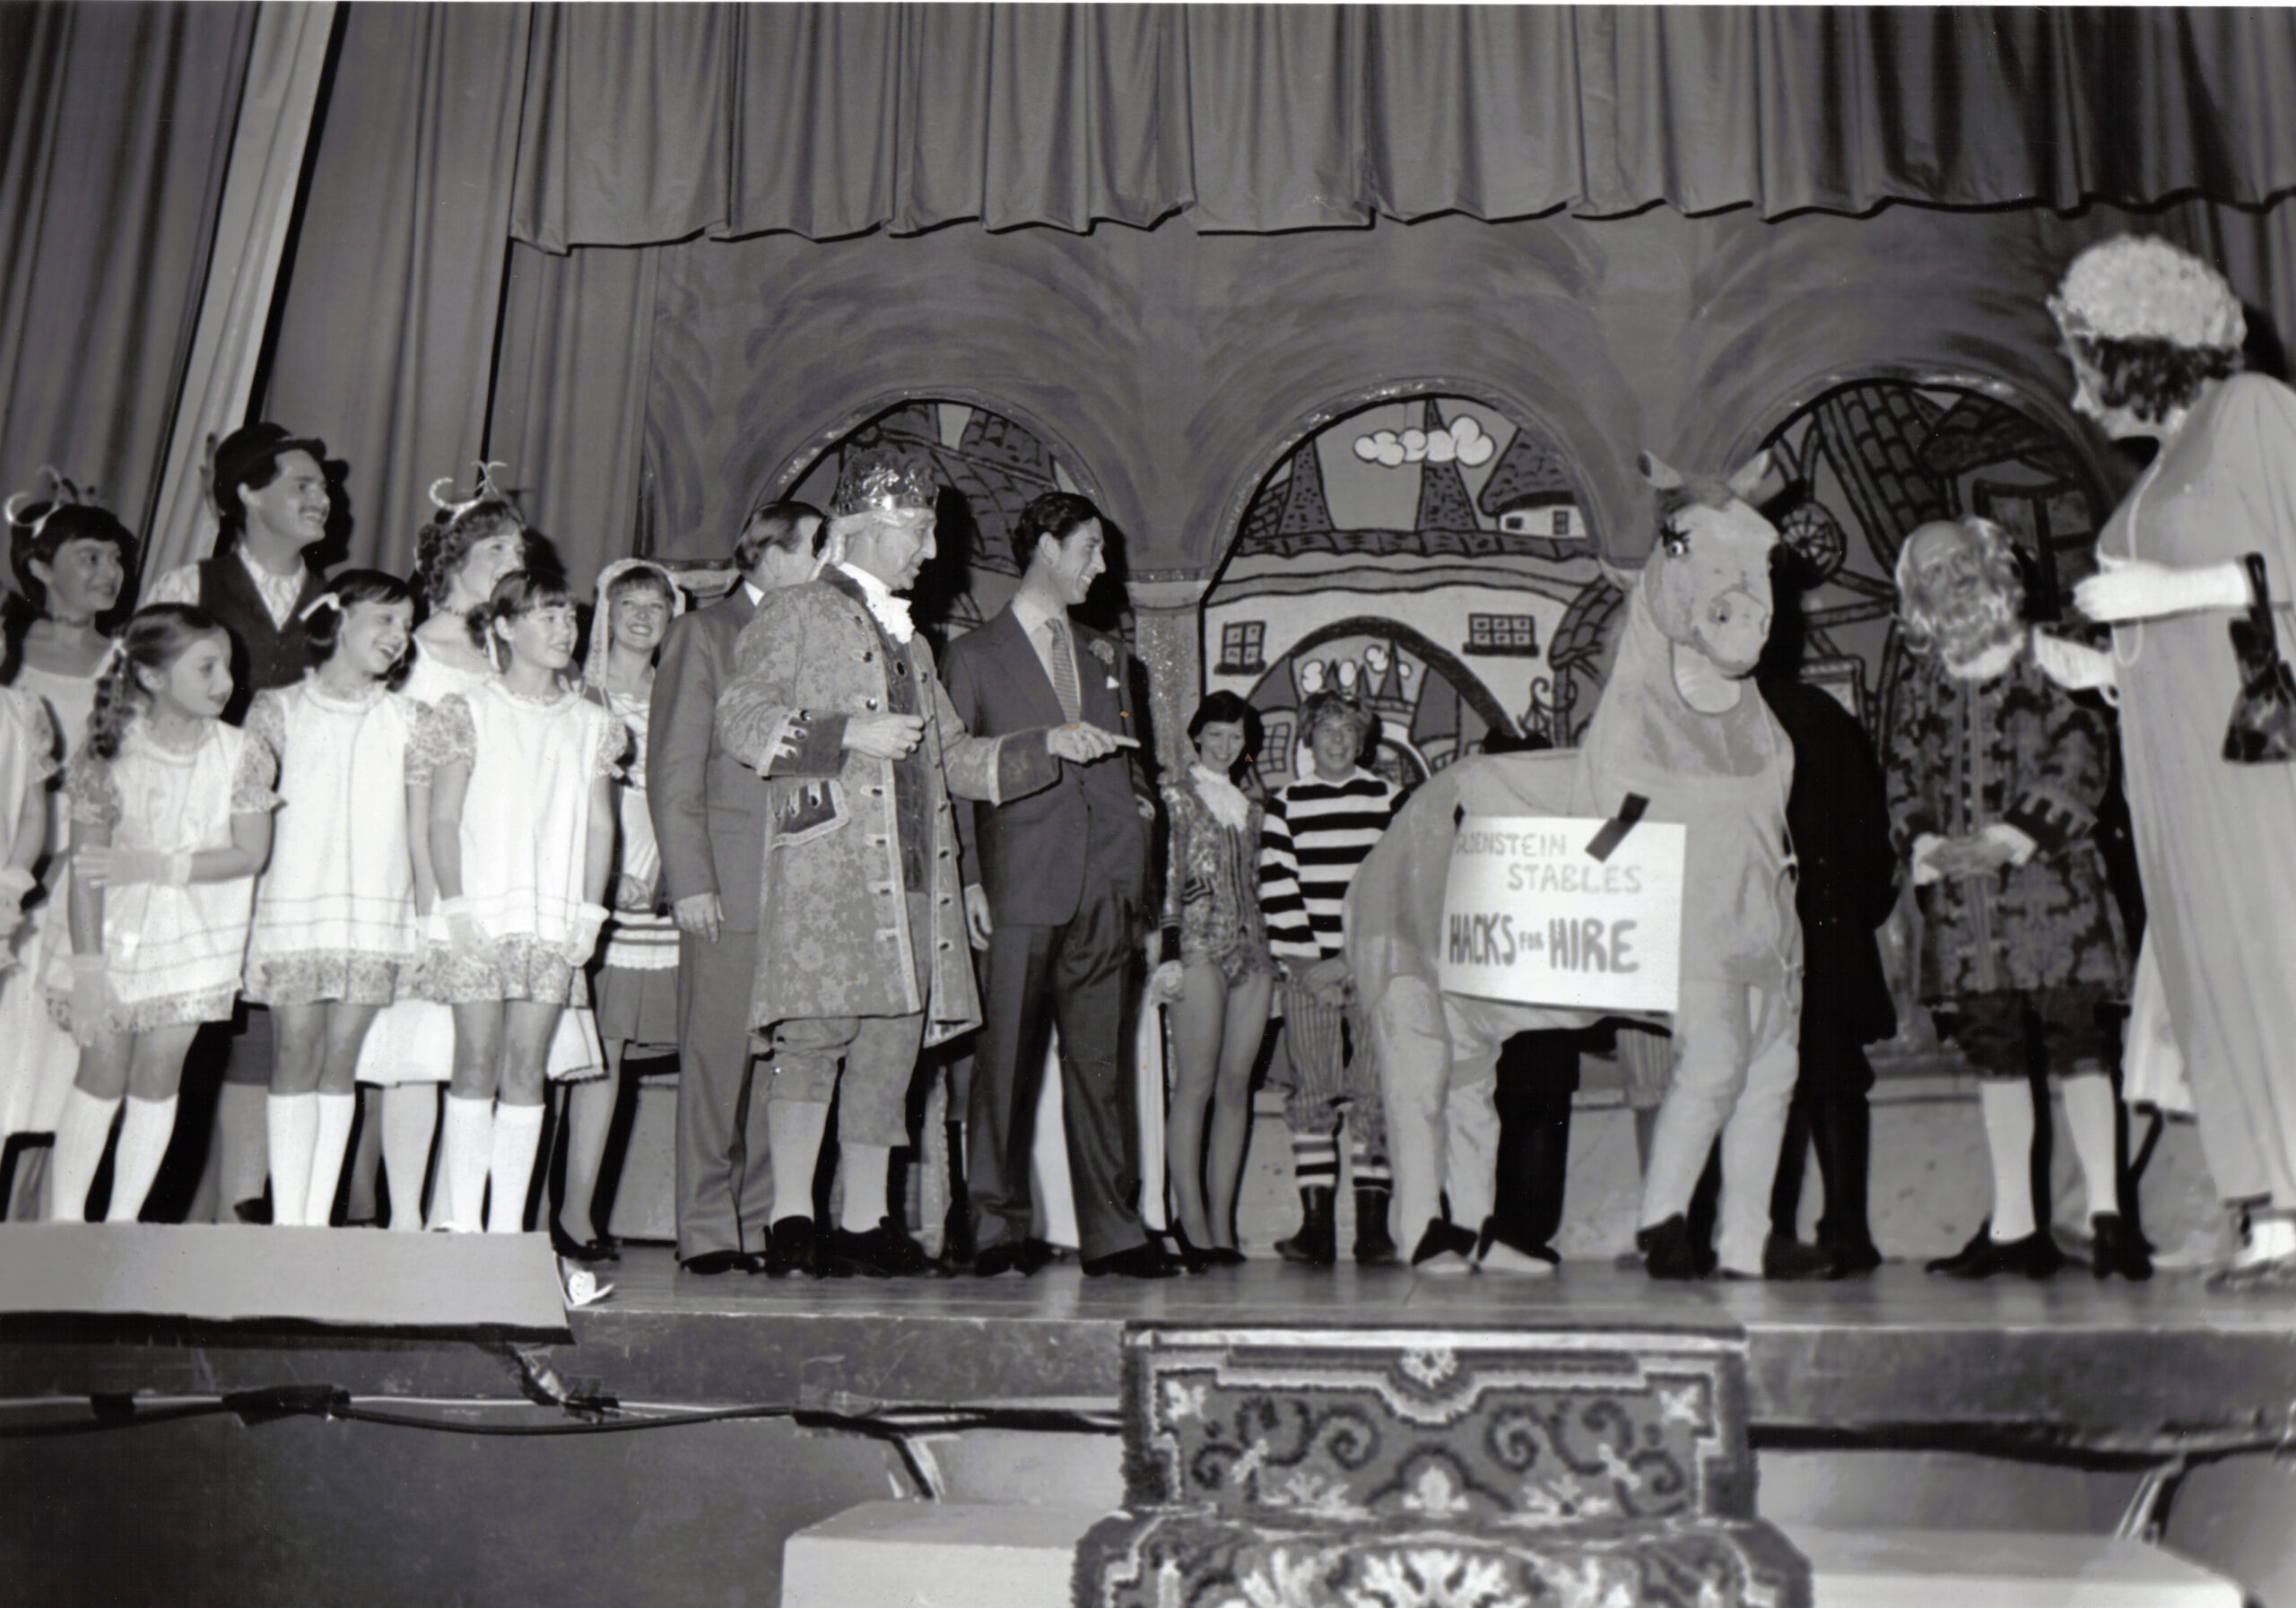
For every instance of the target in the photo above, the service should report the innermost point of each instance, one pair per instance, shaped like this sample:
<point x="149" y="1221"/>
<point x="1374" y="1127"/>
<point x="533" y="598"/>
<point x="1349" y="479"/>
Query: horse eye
<point x="1677" y="544"/>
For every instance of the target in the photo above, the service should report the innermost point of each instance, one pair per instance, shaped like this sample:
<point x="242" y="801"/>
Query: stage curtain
<point x="825" y="121"/>
<point x="385" y="345"/>
<point x="569" y="410"/>
<point x="119" y="123"/>
<point x="285" y="63"/>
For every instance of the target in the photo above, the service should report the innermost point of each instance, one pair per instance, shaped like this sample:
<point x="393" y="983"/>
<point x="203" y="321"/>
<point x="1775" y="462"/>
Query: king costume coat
<point x="834" y="934"/>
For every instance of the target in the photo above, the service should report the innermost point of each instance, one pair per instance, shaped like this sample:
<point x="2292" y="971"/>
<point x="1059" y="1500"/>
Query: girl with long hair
<point x="171" y="822"/>
<point x="521" y="832"/>
<point x="637" y="1001"/>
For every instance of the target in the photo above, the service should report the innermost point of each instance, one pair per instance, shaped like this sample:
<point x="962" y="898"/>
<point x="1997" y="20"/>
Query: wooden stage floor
<point x="1900" y="1358"/>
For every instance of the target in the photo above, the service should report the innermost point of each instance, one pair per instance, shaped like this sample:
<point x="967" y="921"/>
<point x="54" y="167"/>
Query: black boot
<point x="1668" y="1251"/>
<point x="1842" y="1124"/>
<point x="1374" y="1246"/>
<point x="2118" y="1249"/>
<point x="1316" y="1244"/>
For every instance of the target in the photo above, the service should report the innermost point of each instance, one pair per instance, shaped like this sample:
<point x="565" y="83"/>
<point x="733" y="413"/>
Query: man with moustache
<point x="861" y="953"/>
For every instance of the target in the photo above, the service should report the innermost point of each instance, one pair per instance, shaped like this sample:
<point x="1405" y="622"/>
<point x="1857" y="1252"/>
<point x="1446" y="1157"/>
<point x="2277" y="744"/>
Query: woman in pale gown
<point x="2155" y="337"/>
<point x="72" y="561"/>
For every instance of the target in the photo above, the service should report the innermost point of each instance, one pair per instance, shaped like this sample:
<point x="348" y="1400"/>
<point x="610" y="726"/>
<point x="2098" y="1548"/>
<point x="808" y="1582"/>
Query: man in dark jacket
<point x="1840" y="823"/>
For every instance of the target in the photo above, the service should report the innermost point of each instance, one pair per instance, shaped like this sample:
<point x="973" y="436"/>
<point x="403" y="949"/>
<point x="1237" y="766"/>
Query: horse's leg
<point x="1753" y="1130"/>
<point x="1711" y="1036"/>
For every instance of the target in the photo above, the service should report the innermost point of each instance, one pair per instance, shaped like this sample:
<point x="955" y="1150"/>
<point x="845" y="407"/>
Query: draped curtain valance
<point x="648" y="124"/>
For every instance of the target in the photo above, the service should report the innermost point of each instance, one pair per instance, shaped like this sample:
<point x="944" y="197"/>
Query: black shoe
<point x="602" y="1249"/>
<point x="1789" y="1261"/>
<point x="1314" y="1244"/>
<point x="1374" y="1246"/>
<point x="1143" y="1261"/>
<point x="883" y="1252"/>
<point x="1192" y="1258"/>
<point x="1225" y="1256"/>
<point x="1851" y="1261"/>
<point x="2035" y="1256"/>
<point x="788" y="1248"/>
<point x="1006" y="1256"/>
<point x="1496" y="1253"/>
<point x="1667" y="1252"/>
<point x="956" y="1237"/>
<point x="2118" y="1249"/>
<point x="256" y="1211"/>
<point x="1445" y="1248"/>
<point x="709" y="1264"/>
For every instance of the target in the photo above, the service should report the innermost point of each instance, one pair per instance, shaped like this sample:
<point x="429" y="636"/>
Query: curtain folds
<point x="569" y="408"/>
<point x="386" y="340"/>
<point x="652" y="124"/>
<point x="117" y="125"/>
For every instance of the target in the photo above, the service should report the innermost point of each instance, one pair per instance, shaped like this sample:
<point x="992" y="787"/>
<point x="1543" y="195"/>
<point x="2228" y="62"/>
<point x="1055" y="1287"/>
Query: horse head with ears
<point x="1707" y="578"/>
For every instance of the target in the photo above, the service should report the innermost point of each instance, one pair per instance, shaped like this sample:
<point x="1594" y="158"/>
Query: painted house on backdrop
<point x="1430" y="556"/>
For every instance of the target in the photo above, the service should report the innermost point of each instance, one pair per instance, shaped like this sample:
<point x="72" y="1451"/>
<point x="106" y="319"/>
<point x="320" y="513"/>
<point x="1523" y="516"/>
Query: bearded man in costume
<point x="1996" y="774"/>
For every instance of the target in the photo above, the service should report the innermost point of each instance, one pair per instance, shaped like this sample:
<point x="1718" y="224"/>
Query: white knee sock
<point x="469" y="1149"/>
<point x="2090" y="1113"/>
<point x="328" y="1148"/>
<point x="239" y="1128"/>
<point x="864" y="1167"/>
<point x="410" y="1122"/>
<point x="82" y="1133"/>
<point x="292" y="1121"/>
<point x="517" y="1133"/>
<point x="2008" y="1107"/>
<point x="795" y="1129"/>
<point x="144" y="1135"/>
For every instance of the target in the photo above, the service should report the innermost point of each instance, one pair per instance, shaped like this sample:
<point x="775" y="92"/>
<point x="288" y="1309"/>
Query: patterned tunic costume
<point x="173" y="956"/>
<point x="1210" y="890"/>
<point x="2015" y="751"/>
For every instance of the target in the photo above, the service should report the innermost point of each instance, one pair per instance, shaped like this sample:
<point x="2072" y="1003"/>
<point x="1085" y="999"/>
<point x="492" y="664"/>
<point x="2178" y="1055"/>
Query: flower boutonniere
<point x="1103" y="650"/>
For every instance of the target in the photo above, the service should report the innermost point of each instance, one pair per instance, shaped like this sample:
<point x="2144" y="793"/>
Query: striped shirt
<point x="1317" y="834"/>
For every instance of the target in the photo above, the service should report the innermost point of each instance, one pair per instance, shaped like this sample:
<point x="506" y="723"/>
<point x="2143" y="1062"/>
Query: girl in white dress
<point x="334" y="936"/>
<point x="171" y="820"/>
<point x="637" y="977"/>
<point x="71" y="561"/>
<point x="522" y="832"/>
<point x="409" y="1051"/>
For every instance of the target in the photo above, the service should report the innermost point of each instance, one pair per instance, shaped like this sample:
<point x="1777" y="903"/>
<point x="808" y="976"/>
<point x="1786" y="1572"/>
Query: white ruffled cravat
<point x="890" y="611"/>
<point x="1223" y="797"/>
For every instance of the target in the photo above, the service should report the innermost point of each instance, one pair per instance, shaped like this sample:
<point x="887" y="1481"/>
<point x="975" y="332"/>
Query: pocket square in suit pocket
<point x="1110" y="684"/>
<point x="806" y="809"/>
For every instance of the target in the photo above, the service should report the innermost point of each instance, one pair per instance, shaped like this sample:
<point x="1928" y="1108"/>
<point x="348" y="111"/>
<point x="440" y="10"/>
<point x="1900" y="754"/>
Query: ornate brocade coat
<point x="2019" y="751"/>
<point x="834" y="934"/>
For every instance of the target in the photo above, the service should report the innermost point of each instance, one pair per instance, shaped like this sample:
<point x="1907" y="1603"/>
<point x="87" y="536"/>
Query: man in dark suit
<point x="708" y="812"/>
<point x="1056" y="884"/>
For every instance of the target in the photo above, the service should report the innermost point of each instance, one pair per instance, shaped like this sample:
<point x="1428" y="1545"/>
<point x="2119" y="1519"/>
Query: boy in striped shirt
<point x="1319" y="829"/>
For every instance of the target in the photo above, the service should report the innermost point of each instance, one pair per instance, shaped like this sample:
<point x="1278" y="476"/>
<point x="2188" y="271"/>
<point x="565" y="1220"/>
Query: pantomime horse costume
<point x="1681" y="726"/>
